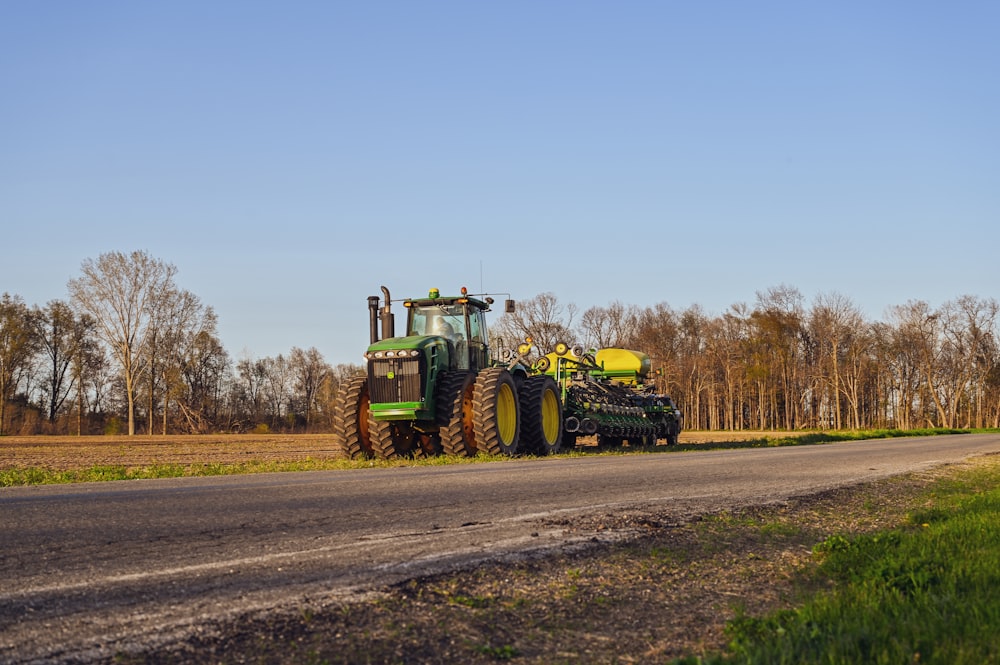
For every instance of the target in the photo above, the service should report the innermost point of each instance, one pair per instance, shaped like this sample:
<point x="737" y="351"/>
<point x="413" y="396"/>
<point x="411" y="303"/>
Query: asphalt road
<point x="88" y="570"/>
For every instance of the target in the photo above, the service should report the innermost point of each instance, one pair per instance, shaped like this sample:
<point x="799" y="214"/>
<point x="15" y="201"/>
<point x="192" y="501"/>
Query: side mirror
<point x="508" y="306"/>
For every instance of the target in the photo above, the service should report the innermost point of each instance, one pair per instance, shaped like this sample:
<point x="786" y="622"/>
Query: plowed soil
<point x="75" y="452"/>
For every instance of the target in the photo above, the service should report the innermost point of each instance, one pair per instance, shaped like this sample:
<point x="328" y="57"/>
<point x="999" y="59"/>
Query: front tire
<point x="350" y="425"/>
<point x="390" y="440"/>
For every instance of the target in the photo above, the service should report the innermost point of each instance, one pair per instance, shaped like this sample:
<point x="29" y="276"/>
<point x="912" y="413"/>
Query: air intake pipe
<point x="373" y="318"/>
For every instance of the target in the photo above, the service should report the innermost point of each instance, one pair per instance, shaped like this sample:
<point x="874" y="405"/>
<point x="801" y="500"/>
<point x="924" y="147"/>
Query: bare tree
<point x="61" y="335"/>
<point x="611" y="326"/>
<point x="917" y="352"/>
<point x="694" y="331"/>
<point x="967" y="325"/>
<point x="178" y="321"/>
<point x="860" y="375"/>
<point x="204" y="369"/>
<point x="656" y="333"/>
<point x="985" y="356"/>
<point x="310" y="371"/>
<point x="833" y="324"/>
<point x="251" y="380"/>
<point x="18" y="344"/>
<point x="123" y="292"/>
<point x="726" y="347"/>
<point x="90" y="372"/>
<point x="778" y="328"/>
<point x="277" y="387"/>
<point x="543" y="318"/>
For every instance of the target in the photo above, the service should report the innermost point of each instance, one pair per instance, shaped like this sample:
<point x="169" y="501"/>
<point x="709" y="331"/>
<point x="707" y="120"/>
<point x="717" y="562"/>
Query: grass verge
<point x="35" y="475"/>
<point x="923" y="592"/>
<point x="815" y="438"/>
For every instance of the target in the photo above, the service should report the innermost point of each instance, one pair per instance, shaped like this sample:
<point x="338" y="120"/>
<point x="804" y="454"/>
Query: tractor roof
<point x="434" y="297"/>
<point x="445" y="300"/>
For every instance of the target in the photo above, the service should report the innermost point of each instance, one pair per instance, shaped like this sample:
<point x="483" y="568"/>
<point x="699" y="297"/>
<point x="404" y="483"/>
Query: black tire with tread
<point x="541" y="416"/>
<point x="350" y="424"/>
<point x="453" y="397"/>
<point x="390" y="440"/>
<point x="496" y="412"/>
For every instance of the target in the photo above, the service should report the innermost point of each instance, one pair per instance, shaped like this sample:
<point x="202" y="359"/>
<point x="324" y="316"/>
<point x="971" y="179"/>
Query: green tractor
<point x="438" y="388"/>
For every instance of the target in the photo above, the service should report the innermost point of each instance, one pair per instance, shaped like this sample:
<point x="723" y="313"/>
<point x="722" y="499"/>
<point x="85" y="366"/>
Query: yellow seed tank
<point x="623" y="365"/>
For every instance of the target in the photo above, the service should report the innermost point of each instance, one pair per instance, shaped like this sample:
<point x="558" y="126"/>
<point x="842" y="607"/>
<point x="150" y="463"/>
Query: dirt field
<point x="66" y="453"/>
<point x="72" y="452"/>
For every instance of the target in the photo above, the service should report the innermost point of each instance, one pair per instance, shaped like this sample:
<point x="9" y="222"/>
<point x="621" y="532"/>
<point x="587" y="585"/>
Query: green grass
<point x="97" y="473"/>
<point x="926" y="592"/>
<point x="812" y="439"/>
<point x="505" y="652"/>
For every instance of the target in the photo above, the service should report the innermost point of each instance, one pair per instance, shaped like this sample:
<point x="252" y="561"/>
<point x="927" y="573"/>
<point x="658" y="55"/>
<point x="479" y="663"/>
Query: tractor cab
<point x="460" y="320"/>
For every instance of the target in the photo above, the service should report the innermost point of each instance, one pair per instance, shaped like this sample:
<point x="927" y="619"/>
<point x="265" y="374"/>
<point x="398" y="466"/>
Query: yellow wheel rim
<point x="506" y="413"/>
<point x="550" y="416"/>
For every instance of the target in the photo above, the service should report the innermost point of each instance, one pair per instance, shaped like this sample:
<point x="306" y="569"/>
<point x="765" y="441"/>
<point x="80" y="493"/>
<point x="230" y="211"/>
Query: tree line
<point x="781" y="364"/>
<point x="131" y="352"/>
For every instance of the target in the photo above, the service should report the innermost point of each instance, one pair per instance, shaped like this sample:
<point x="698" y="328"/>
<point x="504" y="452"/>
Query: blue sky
<point x="291" y="157"/>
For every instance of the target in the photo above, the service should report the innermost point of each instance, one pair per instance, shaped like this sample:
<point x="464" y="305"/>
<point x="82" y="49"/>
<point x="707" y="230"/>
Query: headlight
<point x="394" y="353"/>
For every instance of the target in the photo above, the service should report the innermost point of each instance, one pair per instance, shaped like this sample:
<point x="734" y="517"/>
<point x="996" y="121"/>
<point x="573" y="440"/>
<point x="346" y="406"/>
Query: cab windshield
<point x="443" y="320"/>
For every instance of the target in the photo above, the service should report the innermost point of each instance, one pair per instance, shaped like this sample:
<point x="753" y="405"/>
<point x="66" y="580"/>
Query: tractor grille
<point x="395" y="380"/>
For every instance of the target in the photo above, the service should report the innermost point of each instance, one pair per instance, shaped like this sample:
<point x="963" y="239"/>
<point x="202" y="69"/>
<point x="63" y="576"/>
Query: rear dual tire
<point x="541" y="416"/>
<point x="496" y="412"/>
